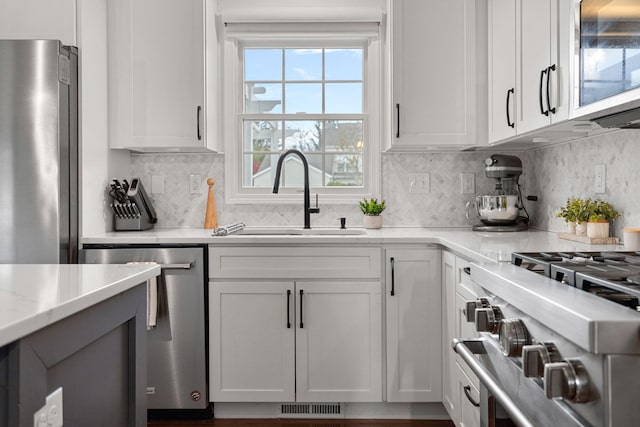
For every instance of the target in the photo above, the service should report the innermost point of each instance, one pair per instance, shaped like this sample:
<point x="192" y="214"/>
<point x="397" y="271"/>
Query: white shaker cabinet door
<point x="338" y="342"/>
<point x="535" y="58"/>
<point x="435" y="78"/>
<point x="414" y="325"/>
<point x="502" y="69"/>
<point x="157" y="81"/>
<point x="251" y="342"/>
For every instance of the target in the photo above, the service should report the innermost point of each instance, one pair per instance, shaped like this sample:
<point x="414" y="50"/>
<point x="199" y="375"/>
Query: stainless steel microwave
<point x="607" y="52"/>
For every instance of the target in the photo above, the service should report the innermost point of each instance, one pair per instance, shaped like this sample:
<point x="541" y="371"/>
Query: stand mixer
<point x="500" y="209"/>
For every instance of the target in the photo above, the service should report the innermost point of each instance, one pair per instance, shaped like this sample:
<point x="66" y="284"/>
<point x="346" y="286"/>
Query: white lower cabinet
<point x="252" y="347"/>
<point x="338" y="342"/>
<point x="296" y="341"/>
<point x="294" y="338"/>
<point x="413" y="325"/>
<point x="469" y="398"/>
<point x="458" y="289"/>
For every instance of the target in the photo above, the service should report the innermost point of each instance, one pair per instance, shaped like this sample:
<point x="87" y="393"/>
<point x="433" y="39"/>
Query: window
<point x="308" y="99"/>
<point x="313" y="94"/>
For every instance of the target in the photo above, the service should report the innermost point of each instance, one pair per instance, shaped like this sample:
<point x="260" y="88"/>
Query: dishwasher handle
<point x="182" y="266"/>
<point x="178" y="266"/>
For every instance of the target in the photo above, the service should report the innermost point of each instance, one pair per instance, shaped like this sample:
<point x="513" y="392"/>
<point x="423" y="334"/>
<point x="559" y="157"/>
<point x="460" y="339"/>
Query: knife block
<point x="210" y="217"/>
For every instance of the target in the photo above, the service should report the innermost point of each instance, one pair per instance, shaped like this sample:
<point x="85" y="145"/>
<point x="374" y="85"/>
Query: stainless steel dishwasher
<point x="176" y="346"/>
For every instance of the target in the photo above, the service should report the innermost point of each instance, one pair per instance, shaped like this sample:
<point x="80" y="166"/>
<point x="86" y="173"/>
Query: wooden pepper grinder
<point x="210" y="217"/>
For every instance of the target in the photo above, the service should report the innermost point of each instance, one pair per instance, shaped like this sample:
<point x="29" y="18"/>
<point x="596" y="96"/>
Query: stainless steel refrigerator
<point x="38" y="152"/>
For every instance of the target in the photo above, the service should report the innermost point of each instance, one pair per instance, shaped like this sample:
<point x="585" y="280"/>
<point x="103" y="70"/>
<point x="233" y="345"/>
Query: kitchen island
<point x="79" y="327"/>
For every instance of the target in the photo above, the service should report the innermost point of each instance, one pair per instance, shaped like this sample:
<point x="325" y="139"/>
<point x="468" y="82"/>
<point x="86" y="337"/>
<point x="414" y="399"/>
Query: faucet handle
<point x="316" y="209"/>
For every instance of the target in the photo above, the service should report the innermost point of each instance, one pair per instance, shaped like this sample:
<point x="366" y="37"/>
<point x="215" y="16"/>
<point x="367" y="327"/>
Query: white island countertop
<point x="477" y="246"/>
<point x="33" y="296"/>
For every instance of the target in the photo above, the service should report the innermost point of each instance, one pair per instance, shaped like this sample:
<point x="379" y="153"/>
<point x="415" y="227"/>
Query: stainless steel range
<point x="560" y="339"/>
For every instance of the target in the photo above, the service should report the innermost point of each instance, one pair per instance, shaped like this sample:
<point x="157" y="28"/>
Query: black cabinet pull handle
<point x="301" y="324"/>
<point x="288" y="309"/>
<point x="509" y="122"/>
<point x="549" y="70"/>
<point x="467" y="270"/>
<point x="467" y="392"/>
<point x="198" y="110"/>
<point x="393" y="276"/>
<point x="398" y="120"/>
<point x="542" y="110"/>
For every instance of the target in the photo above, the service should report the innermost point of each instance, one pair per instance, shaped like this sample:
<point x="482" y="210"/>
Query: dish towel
<point x="152" y="297"/>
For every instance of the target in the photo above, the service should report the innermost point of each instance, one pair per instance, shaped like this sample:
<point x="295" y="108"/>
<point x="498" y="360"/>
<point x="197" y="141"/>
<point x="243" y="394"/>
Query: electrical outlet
<point x="194" y="184"/>
<point x="419" y="183"/>
<point x="600" y="179"/>
<point x="468" y="181"/>
<point x="50" y="415"/>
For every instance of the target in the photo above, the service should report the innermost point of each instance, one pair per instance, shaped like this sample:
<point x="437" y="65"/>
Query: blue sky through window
<point x="302" y="73"/>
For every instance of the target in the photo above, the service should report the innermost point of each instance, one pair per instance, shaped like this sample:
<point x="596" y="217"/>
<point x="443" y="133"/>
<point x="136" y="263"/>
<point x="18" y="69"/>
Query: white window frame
<point x="232" y="112"/>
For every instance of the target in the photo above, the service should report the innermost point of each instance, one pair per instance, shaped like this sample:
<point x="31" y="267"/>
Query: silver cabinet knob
<point x="470" y="308"/>
<point x="536" y="356"/>
<point x="487" y="319"/>
<point x="566" y="380"/>
<point x="512" y="335"/>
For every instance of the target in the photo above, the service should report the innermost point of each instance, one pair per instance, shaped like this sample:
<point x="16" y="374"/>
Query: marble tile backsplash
<point x="552" y="173"/>
<point x="567" y="170"/>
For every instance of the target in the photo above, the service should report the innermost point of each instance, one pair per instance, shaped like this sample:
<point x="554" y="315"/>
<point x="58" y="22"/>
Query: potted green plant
<point x="372" y="209"/>
<point x="575" y="213"/>
<point x="600" y="214"/>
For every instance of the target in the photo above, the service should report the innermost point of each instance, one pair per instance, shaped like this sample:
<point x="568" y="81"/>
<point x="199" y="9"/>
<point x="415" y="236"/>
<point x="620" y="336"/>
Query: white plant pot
<point x="571" y="227"/>
<point x="372" y="221"/>
<point x="598" y="229"/>
<point x="581" y="228"/>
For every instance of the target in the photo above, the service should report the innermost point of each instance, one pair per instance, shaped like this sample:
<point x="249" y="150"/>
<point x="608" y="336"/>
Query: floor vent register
<point x="311" y="410"/>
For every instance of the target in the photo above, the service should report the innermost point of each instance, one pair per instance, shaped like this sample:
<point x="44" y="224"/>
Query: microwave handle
<point x="466" y="349"/>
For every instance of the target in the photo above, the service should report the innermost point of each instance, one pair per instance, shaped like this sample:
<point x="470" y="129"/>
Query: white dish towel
<point x="152" y="297"/>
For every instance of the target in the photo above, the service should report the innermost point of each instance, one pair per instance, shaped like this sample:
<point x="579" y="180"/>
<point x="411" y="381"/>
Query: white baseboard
<point x="409" y="411"/>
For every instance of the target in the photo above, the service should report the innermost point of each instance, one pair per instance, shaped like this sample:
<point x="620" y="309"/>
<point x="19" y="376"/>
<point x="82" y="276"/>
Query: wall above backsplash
<point x="552" y="173"/>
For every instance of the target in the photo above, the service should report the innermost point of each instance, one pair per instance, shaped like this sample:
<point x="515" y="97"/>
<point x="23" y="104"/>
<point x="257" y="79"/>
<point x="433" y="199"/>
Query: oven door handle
<point x="466" y="349"/>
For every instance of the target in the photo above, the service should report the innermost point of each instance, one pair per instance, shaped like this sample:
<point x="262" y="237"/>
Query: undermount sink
<point x="302" y="231"/>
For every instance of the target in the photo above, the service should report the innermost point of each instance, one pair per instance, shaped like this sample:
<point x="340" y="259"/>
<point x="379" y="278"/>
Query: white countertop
<point x="478" y="246"/>
<point x="33" y="296"/>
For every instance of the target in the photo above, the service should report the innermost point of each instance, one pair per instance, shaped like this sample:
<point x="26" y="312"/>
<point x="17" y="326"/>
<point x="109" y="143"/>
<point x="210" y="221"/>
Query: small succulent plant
<point x="372" y="207"/>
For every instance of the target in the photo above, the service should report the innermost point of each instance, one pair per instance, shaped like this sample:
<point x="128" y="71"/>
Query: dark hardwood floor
<point x="299" y="423"/>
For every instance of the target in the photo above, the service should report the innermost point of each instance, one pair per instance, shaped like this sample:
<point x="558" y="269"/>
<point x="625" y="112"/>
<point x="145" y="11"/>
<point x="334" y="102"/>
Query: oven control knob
<point x="513" y="335"/>
<point x="566" y="380"/>
<point x="536" y="356"/>
<point x="487" y="319"/>
<point x="470" y="308"/>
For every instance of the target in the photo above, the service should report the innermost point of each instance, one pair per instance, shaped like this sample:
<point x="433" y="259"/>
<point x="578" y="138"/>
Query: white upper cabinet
<point x="157" y="75"/>
<point x="37" y="19"/>
<point x="502" y="69"/>
<point x="529" y="65"/>
<point x="438" y="51"/>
